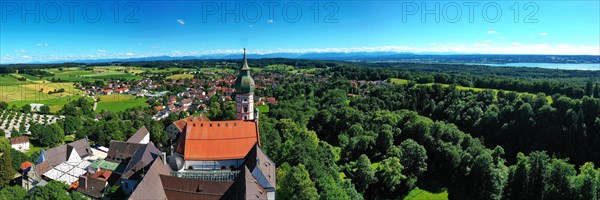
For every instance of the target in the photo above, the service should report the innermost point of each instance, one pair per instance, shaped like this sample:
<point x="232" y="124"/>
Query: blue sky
<point x="69" y="30"/>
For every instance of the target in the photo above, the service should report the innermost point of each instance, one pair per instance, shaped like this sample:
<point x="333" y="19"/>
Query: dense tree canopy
<point x="6" y="169"/>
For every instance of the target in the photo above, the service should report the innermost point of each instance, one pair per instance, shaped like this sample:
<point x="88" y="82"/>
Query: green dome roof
<point x="244" y="83"/>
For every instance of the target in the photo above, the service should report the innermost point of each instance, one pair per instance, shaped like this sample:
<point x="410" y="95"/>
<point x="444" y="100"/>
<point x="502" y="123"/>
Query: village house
<point x="20" y="143"/>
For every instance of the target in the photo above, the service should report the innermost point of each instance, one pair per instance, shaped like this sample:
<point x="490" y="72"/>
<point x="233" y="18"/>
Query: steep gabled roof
<point x="151" y="187"/>
<point x="95" y="187"/>
<point x="180" y="124"/>
<point x="187" y="188"/>
<point x="139" y="135"/>
<point x="218" y="140"/>
<point x="60" y="154"/>
<point x="142" y="158"/>
<point x="119" y="151"/>
<point x="42" y="168"/>
<point x="245" y="187"/>
<point x="261" y="167"/>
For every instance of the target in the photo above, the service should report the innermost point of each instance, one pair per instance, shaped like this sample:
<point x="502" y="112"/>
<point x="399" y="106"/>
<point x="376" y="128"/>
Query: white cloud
<point x="180" y="21"/>
<point x="488" y="41"/>
<point x="270" y="21"/>
<point x="101" y="51"/>
<point x="156" y="47"/>
<point x="26" y="57"/>
<point x="447" y="48"/>
<point x="20" y="51"/>
<point x="543" y="33"/>
<point x="42" y="44"/>
<point x="491" y="31"/>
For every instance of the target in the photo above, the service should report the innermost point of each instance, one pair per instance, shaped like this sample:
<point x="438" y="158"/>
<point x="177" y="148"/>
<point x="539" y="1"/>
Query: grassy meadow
<point x="119" y="102"/>
<point x="420" y="194"/>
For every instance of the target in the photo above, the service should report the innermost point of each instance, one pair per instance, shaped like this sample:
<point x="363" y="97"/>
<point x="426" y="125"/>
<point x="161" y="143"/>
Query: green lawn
<point x="69" y="138"/>
<point x="263" y="109"/>
<point x="398" y="81"/>
<point x="119" y="102"/>
<point x="420" y="194"/>
<point x="33" y="148"/>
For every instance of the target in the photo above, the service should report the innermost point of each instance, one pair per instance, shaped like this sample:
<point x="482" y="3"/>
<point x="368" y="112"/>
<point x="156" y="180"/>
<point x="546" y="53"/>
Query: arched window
<point x="245" y="108"/>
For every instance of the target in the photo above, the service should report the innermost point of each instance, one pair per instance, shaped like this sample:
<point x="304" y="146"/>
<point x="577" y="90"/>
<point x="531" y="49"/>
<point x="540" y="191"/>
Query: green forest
<point x="396" y="138"/>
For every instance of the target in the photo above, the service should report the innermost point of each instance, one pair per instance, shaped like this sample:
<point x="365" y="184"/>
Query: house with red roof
<point x="20" y="143"/>
<point x="106" y="92"/>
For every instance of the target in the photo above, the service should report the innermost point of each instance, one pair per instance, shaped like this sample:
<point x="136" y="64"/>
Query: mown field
<point x="119" y="102"/>
<point x="100" y="73"/>
<point x="263" y="109"/>
<point x="420" y="194"/>
<point x="180" y="76"/>
<point x="36" y="89"/>
<point x="20" y="93"/>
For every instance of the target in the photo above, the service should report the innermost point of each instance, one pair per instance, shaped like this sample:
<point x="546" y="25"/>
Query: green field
<point x="119" y="102"/>
<point x="263" y="109"/>
<point x="26" y="92"/>
<point x="276" y="67"/>
<point x="54" y="104"/>
<point x="398" y="81"/>
<point x="20" y="93"/>
<point x="217" y="70"/>
<point x="420" y="194"/>
<point x="98" y="73"/>
<point x="180" y="76"/>
<point x="7" y="80"/>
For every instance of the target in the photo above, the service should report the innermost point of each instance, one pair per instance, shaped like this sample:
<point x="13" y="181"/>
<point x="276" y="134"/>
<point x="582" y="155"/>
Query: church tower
<point x="244" y="93"/>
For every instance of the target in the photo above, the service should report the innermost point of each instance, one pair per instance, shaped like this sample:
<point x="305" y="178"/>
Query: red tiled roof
<point x="180" y="124"/>
<point x="102" y="174"/>
<point x="218" y="140"/>
<point x="25" y="165"/>
<point x="19" y="140"/>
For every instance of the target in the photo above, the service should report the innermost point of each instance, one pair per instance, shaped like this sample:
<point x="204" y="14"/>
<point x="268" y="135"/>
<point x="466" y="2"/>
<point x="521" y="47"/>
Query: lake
<point x="592" y="66"/>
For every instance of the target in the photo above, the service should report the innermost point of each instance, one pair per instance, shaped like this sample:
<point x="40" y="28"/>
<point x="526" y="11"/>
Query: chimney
<point x="164" y="158"/>
<point x="83" y="182"/>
